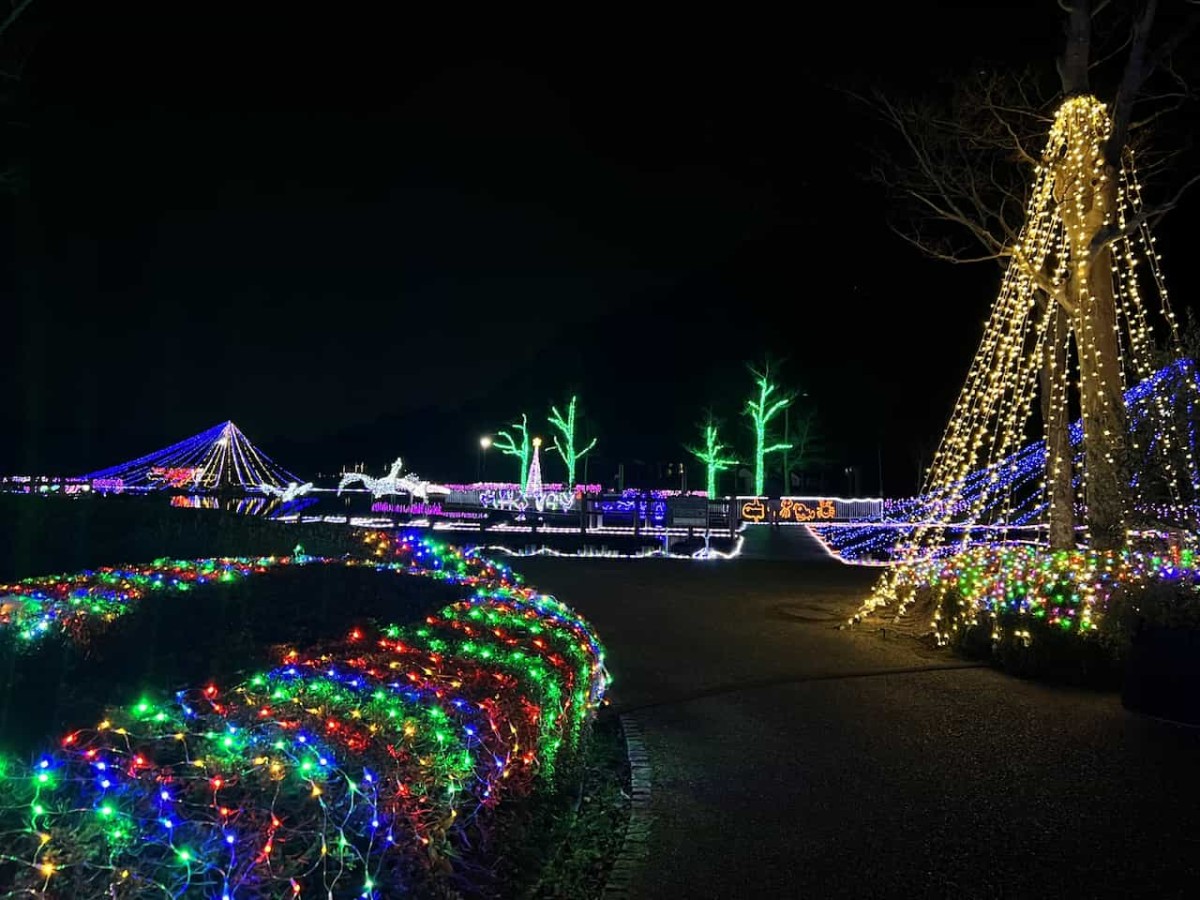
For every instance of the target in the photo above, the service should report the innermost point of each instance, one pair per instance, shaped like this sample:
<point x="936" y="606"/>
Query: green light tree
<point x="761" y="411"/>
<point x="711" y="455"/>
<point x="566" y="449"/>
<point x="508" y="445"/>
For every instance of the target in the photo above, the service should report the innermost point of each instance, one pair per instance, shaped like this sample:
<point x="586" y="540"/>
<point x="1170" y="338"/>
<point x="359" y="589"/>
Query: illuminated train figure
<point x="220" y="459"/>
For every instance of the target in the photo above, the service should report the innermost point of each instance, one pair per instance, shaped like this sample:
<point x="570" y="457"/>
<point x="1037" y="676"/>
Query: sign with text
<point x="788" y="509"/>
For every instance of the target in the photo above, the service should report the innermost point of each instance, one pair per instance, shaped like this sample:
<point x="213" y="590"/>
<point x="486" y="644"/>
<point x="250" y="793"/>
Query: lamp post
<point x="480" y="454"/>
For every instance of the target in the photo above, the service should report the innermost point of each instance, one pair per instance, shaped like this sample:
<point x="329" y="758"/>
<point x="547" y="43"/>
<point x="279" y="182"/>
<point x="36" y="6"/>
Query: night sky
<point x="361" y="235"/>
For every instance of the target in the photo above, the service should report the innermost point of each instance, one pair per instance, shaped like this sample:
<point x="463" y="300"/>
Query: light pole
<point x="480" y="455"/>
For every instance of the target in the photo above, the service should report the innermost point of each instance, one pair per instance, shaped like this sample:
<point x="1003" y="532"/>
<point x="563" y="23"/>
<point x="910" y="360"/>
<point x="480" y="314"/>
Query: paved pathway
<point x="790" y="759"/>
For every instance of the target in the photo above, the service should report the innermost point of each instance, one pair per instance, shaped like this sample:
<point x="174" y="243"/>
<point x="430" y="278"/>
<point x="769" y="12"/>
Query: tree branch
<point x="931" y="251"/>
<point x="958" y="163"/>
<point x="13" y="15"/>
<point x="509" y="449"/>
<point x="1115" y="232"/>
<point x="1136" y="70"/>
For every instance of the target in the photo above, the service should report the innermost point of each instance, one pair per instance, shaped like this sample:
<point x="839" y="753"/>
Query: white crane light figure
<point x="287" y="494"/>
<point x="394" y="483"/>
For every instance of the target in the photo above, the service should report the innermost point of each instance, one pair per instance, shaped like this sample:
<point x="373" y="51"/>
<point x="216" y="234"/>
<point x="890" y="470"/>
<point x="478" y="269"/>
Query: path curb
<point x="634" y="848"/>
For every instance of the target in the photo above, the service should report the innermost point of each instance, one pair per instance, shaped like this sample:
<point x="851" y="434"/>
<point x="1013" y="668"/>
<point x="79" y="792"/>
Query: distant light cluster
<point x="221" y="457"/>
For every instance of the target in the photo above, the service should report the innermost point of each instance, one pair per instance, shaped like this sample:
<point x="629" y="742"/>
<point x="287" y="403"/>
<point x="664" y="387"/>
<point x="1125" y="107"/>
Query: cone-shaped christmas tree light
<point x="533" y="484"/>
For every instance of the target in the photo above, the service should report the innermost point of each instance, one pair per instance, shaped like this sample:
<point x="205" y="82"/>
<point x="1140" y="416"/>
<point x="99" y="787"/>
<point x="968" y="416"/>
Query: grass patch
<point x="39" y="535"/>
<point x="559" y="844"/>
<point x="1032" y="649"/>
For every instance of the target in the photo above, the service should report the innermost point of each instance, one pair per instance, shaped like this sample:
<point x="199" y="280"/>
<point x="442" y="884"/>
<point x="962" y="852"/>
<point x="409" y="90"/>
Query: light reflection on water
<point x="243" y="506"/>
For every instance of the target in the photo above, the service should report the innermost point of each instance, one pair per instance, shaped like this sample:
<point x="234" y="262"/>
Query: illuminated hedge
<point x="344" y="771"/>
<point x="80" y="604"/>
<point x="1020" y="583"/>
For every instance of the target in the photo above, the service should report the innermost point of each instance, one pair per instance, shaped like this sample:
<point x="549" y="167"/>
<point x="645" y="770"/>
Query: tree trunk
<point x="1055" y="416"/>
<point x="1087" y="191"/>
<point x="1073" y="66"/>
<point x="1104" y="427"/>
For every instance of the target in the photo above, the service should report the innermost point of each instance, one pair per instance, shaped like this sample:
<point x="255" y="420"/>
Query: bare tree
<point x="962" y="172"/>
<point x="802" y="430"/>
<point x="961" y="162"/>
<point x="16" y="7"/>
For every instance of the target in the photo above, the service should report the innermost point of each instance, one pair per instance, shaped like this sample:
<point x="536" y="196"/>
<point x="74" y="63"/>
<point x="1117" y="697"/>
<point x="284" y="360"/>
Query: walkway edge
<point x="783" y="680"/>
<point x="634" y="849"/>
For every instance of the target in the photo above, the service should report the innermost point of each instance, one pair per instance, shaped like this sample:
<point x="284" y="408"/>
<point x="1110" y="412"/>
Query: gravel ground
<point x="791" y="759"/>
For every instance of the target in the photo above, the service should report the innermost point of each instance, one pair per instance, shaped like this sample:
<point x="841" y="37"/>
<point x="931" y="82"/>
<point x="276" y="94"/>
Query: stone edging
<point x="634" y="848"/>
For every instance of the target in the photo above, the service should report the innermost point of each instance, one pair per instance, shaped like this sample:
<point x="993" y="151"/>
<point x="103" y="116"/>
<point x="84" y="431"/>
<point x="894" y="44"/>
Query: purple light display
<point x="1016" y="502"/>
<point x="425" y="509"/>
<point x="656" y="510"/>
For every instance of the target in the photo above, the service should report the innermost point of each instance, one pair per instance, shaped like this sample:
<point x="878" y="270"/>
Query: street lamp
<point x="484" y="443"/>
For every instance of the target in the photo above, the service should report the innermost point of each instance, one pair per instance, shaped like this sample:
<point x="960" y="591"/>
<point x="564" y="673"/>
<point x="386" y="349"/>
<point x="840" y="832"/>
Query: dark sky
<point x="363" y="235"/>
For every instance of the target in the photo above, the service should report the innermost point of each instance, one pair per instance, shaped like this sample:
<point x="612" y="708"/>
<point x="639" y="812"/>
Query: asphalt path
<point x="793" y="759"/>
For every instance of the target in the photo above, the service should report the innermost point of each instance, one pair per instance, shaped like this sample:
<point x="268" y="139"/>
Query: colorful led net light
<point x="345" y="771"/>
<point x="80" y="603"/>
<point x="1009" y="587"/>
<point x="411" y="551"/>
<point x="508" y="626"/>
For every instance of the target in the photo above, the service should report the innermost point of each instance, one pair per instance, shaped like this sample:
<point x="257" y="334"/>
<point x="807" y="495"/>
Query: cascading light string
<point x="344" y="771"/>
<point x="1049" y="318"/>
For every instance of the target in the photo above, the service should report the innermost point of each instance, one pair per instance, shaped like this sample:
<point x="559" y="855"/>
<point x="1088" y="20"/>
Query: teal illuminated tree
<point x="761" y="411"/>
<point x="508" y="445"/>
<point x="566" y="449"/>
<point x="712" y="455"/>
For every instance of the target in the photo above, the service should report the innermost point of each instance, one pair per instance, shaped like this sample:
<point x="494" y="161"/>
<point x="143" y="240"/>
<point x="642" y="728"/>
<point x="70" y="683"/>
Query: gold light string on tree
<point x="1071" y="309"/>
